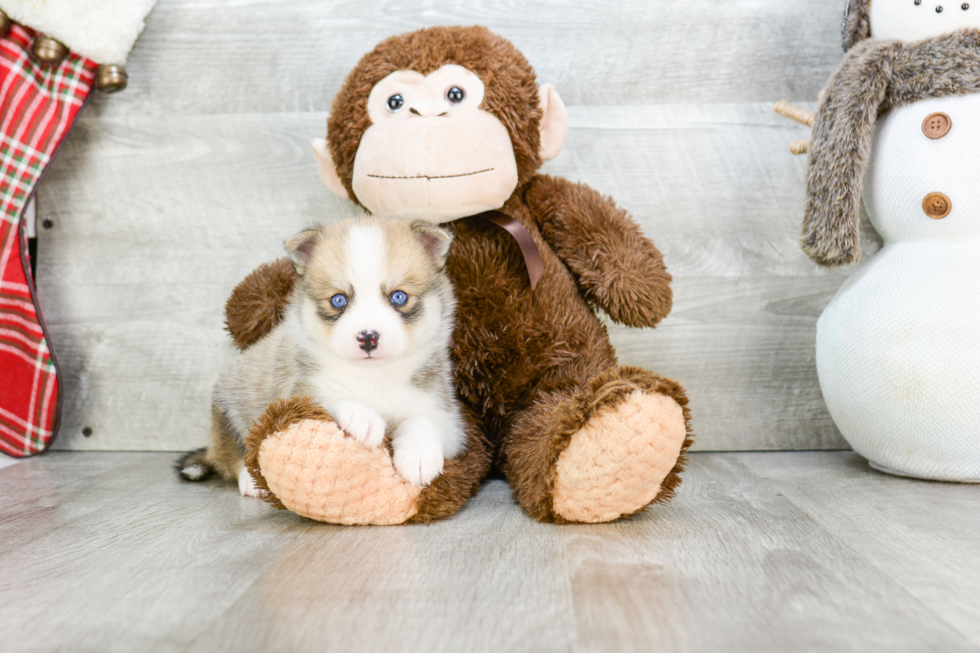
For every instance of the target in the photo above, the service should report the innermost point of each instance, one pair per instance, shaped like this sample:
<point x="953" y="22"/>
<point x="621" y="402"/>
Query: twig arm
<point x="801" y="116"/>
<point x="793" y="112"/>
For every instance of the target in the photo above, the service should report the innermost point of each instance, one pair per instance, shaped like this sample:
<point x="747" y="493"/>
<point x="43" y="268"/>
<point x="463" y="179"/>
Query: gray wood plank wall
<point x="167" y="194"/>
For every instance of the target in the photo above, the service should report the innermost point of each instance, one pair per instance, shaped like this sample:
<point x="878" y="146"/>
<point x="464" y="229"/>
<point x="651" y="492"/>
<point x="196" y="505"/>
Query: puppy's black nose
<point x="368" y="340"/>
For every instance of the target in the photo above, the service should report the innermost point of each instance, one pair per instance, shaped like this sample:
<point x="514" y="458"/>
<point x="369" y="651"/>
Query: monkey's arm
<point x="259" y="302"/>
<point x="617" y="268"/>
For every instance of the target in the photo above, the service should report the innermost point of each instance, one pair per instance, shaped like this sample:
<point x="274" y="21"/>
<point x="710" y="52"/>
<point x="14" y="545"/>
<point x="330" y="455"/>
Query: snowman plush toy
<point x="898" y="127"/>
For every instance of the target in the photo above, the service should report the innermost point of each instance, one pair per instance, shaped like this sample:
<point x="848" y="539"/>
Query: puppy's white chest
<point x="392" y="395"/>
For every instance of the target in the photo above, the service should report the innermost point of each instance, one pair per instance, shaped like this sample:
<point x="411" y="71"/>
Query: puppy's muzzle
<point x="368" y="340"/>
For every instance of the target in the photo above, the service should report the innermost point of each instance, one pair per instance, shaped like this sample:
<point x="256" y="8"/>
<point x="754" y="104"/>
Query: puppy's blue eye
<point x="398" y="298"/>
<point x="338" y="301"/>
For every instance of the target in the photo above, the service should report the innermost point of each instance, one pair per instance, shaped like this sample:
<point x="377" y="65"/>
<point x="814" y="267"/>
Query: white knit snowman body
<point x="898" y="348"/>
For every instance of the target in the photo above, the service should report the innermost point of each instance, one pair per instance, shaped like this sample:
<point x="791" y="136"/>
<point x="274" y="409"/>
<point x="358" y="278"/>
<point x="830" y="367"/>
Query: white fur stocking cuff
<point x="101" y="30"/>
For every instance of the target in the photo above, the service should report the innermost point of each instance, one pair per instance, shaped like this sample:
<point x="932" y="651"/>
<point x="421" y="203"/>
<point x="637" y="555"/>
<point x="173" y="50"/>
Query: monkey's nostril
<point x="414" y="111"/>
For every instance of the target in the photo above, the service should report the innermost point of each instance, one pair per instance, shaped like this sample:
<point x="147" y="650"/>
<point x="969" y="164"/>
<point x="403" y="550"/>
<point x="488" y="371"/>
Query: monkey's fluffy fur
<point x="875" y="76"/>
<point x="532" y="367"/>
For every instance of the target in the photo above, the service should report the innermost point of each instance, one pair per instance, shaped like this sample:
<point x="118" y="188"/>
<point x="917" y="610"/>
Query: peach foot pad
<point x="617" y="462"/>
<point x="317" y="472"/>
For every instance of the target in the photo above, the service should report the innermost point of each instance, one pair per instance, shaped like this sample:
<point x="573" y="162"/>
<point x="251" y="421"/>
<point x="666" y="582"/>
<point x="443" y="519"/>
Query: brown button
<point x="937" y="206"/>
<point x="936" y="125"/>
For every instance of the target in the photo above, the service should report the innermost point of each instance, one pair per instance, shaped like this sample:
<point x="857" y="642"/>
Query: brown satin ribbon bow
<point x="532" y="255"/>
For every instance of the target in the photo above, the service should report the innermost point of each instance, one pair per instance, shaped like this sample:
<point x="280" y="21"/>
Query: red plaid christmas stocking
<point x="38" y="105"/>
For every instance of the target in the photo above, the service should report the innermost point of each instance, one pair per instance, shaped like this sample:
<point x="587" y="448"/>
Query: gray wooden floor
<point x="760" y="552"/>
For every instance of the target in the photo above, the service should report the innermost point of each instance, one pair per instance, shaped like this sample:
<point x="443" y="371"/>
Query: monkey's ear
<point x="435" y="240"/>
<point x="554" y="122"/>
<point x="328" y="171"/>
<point x="300" y="248"/>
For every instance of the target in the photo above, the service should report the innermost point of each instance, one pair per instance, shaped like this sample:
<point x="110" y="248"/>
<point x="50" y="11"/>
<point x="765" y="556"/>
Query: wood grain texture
<point x="283" y="56"/>
<point x="113" y="560"/>
<point x="904" y="519"/>
<point x="712" y="186"/>
<point x="767" y="552"/>
<point x="166" y="195"/>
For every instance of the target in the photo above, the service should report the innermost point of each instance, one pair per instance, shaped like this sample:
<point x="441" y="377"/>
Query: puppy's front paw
<point x="247" y="486"/>
<point x="418" y="452"/>
<point x="359" y="421"/>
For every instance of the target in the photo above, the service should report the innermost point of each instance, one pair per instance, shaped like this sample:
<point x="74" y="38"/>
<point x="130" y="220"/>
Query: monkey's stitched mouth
<point x="428" y="177"/>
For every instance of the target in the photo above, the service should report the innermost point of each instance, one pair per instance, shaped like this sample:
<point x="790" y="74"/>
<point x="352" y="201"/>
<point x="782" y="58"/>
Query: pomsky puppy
<point x="366" y="335"/>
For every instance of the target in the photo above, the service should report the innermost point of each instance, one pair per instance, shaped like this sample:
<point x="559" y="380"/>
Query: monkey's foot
<point x="316" y="471"/>
<point x="305" y="463"/>
<point x="626" y="456"/>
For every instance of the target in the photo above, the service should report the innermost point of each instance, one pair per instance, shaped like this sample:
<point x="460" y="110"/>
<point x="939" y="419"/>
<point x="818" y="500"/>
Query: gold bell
<point x="4" y="23"/>
<point x="48" y="51"/>
<point x="111" y="78"/>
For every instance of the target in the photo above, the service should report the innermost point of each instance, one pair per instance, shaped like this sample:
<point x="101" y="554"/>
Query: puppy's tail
<point x="194" y="466"/>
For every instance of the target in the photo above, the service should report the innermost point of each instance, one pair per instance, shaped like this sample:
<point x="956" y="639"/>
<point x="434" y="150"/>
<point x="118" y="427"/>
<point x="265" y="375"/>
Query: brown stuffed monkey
<point x="449" y="124"/>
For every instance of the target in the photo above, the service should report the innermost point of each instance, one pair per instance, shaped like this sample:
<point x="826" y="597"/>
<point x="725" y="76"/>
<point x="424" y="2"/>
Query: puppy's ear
<point x="300" y="248"/>
<point x="434" y="240"/>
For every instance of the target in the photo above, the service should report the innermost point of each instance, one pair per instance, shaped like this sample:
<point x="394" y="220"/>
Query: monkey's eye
<point x="395" y="102"/>
<point x="399" y="298"/>
<point x="455" y="95"/>
<point x="339" y="301"/>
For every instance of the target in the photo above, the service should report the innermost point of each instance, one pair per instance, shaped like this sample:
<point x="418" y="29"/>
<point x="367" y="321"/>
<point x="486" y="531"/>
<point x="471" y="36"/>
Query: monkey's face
<point x="914" y="20"/>
<point x="443" y="145"/>
<point x="431" y="151"/>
